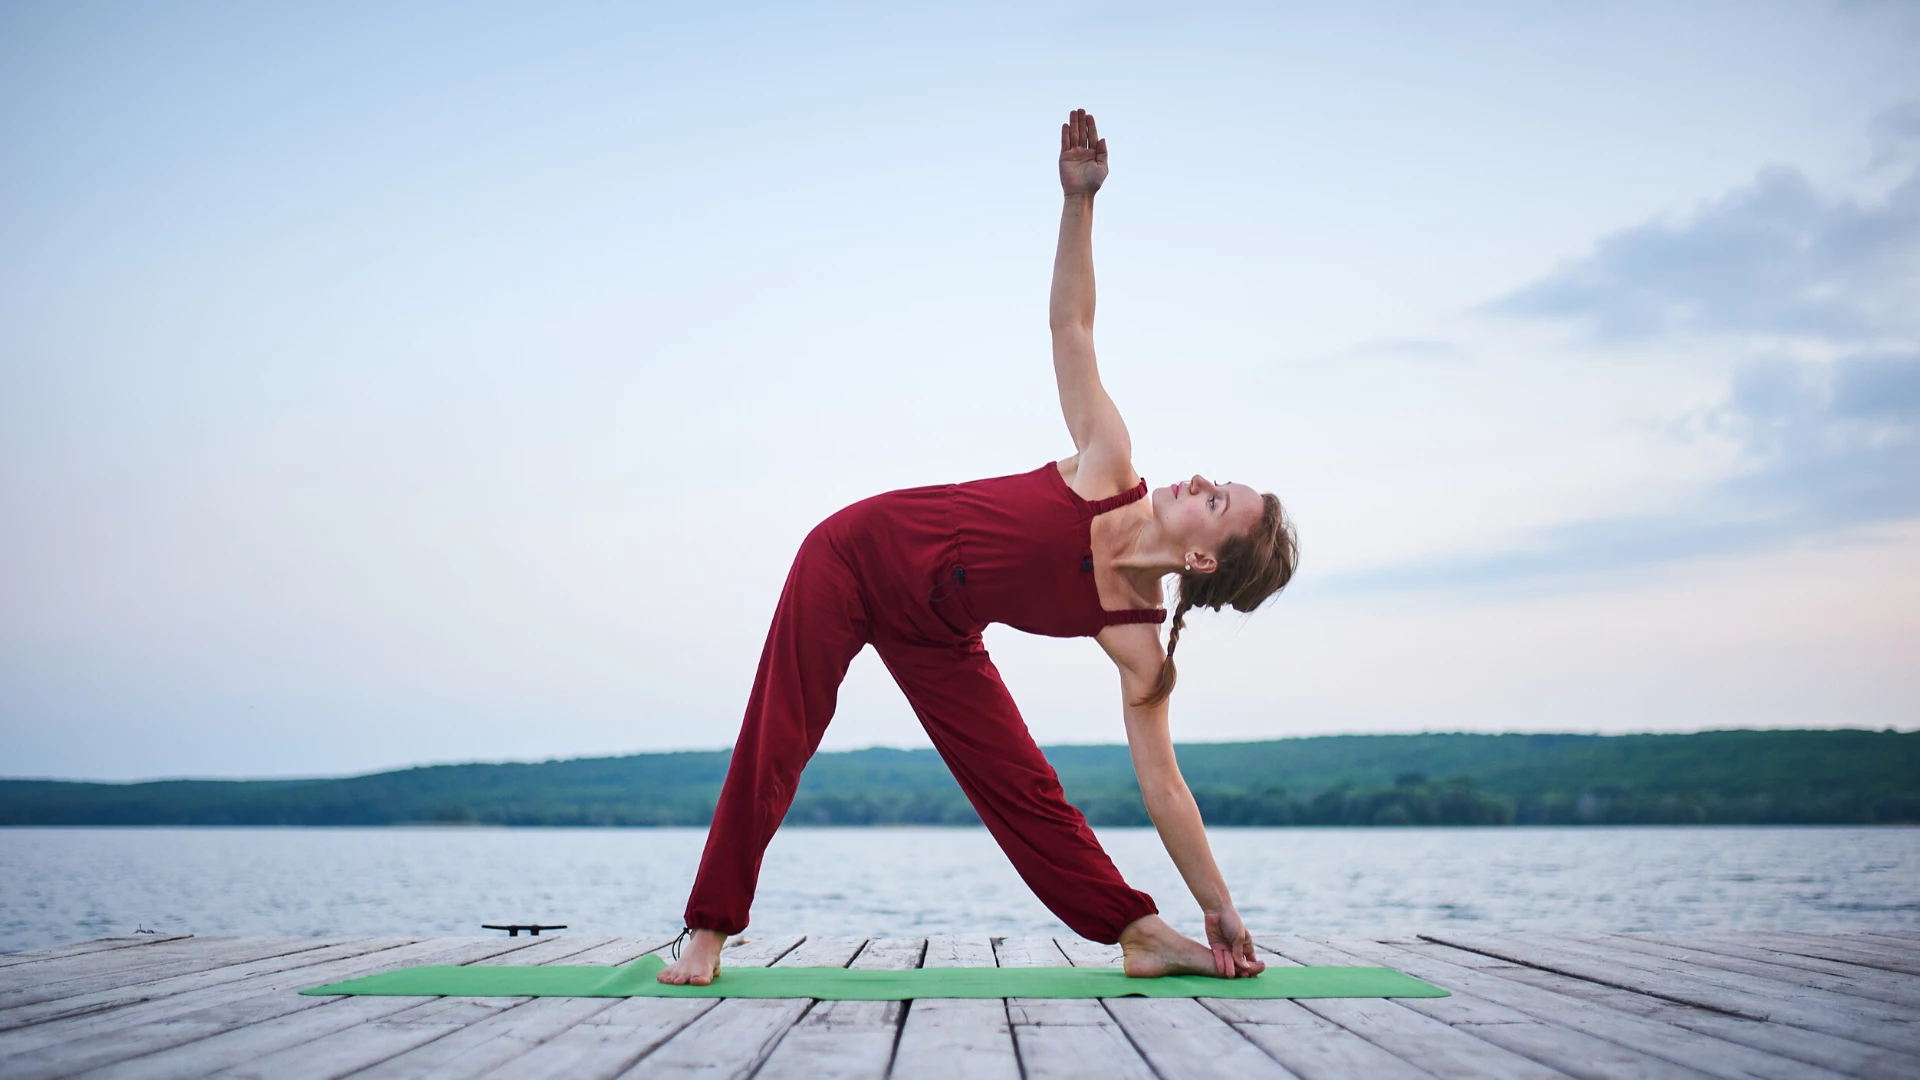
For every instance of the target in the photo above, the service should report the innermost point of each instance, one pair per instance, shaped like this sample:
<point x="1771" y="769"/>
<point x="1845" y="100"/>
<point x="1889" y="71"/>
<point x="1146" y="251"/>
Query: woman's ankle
<point x="1143" y="932"/>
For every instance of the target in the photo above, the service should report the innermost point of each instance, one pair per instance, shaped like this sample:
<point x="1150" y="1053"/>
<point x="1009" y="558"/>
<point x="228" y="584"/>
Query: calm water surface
<point x="67" y="884"/>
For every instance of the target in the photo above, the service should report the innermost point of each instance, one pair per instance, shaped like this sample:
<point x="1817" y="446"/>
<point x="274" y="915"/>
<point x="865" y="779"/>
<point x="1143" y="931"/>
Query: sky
<point x="385" y="384"/>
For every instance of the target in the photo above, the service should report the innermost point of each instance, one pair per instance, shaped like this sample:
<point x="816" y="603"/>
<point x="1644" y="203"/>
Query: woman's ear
<point x="1200" y="562"/>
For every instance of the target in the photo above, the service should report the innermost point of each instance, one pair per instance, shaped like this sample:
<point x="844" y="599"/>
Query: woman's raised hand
<point x="1083" y="155"/>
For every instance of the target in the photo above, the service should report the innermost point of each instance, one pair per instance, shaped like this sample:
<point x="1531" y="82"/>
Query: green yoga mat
<point x="841" y="984"/>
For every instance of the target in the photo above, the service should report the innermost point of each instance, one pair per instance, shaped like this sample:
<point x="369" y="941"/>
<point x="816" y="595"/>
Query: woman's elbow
<point x="1141" y="684"/>
<point x="1071" y="330"/>
<point x="1161" y="783"/>
<point x="1164" y="794"/>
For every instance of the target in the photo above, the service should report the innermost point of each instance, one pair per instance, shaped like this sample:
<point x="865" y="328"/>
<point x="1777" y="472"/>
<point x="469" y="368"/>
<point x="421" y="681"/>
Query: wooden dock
<point x="1732" y="1005"/>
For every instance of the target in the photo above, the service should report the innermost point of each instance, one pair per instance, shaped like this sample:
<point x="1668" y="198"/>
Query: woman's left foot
<point x="699" y="962"/>
<point x="1153" y="949"/>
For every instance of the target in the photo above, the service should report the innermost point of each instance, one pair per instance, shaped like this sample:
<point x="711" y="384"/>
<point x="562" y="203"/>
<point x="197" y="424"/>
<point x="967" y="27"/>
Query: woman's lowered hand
<point x="1232" y="946"/>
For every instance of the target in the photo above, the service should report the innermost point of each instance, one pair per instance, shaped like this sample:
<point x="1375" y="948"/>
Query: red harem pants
<point x="823" y="621"/>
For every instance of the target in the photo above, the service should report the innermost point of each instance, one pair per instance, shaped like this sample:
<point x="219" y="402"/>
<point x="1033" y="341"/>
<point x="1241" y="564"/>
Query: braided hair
<point x="1251" y="567"/>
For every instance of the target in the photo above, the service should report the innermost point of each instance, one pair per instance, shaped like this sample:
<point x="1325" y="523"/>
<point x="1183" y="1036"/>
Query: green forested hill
<point x="1824" y="777"/>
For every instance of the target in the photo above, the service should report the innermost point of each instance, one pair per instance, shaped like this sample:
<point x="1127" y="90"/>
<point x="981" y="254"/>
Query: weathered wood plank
<point x="610" y="1041"/>
<point x="1178" y="1036"/>
<point x="1028" y="951"/>
<point x="1064" y="1037"/>
<point x="734" y="1037"/>
<point x="1181" y="1039"/>
<point x="1708" y="1054"/>
<point x="1832" y="948"/>
<point x="604" y="1044"/>
<point x="385" y="1033"/>
<point x="848" y="1039"/>
<point x="52" y="1019"/>
<point x="1748" y="947"/>
<point x="1479" y="1036"/>
<point x="238" y="1047"/>
<point x="1909" y="942"/>
<point x="1797" y="1044"/>
<point x="107" y="971"/>
<point x="493" y="1037"/>
<point x="81" y="948"/>
<point x="1869" y="983"/>
<point x="107" y="961"/>
<point x="956" y="1038"/>
<point x="1309" y="1046"/>
<point x="1900" y="948"/>
<point x="1760" y="999"/>
<point x="1433" y="1046"/>
<point x="159" y="1026"/>
<point x="1083" y="953"/>
<point x="956" y="951"/>
<point x="1429" y="1044"/>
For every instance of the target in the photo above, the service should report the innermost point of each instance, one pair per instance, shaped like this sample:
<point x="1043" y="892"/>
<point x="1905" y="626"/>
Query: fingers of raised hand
<point x="1079" y="132"/>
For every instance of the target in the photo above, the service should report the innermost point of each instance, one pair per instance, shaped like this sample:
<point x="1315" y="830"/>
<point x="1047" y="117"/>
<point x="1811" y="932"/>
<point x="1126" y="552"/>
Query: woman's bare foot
<point x="699" y="962"/>
<point x="1154" y="949"/>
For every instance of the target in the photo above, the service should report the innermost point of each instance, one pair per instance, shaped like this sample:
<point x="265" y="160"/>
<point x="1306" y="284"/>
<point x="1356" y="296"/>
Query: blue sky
<point x="384" y="384"/>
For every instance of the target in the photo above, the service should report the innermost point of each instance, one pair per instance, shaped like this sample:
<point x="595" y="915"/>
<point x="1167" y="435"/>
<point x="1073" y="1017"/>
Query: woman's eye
<point x="1211" y="499"/>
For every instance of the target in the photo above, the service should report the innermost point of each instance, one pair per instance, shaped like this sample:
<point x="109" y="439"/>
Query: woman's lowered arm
<point x="1092" y="419"/>
<point x="1135" y="649"/>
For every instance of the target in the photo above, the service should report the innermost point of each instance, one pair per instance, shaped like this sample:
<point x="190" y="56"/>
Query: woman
<point x="1074" y="548"/>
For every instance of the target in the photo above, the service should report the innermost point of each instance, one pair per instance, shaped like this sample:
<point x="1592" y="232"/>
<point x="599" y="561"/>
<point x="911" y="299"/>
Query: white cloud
<point x="1774" y="258"/>
<point x="1815" y="294"/>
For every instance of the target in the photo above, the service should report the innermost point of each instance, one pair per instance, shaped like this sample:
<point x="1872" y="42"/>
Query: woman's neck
<point x="1146" y="553"/>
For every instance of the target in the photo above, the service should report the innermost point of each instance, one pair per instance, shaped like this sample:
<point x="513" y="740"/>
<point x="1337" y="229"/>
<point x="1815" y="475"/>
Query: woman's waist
<point x="907" y="535"/>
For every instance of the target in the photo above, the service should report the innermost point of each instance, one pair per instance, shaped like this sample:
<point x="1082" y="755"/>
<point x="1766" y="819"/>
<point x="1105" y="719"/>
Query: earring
<point x="1189" y="566"/>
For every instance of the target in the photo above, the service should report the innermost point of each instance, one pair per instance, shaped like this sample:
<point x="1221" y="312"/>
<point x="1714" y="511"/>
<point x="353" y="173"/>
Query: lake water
<point x="68" y="884"/>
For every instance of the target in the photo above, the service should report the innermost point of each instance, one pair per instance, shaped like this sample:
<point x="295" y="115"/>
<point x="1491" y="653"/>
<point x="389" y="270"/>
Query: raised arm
<point x="1098" y="432"/>
<point x="1135" y="649"/>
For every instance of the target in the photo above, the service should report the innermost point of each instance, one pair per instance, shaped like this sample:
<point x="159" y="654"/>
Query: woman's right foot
<point x="1153" y="949"/>
<point x="699" y="962"/>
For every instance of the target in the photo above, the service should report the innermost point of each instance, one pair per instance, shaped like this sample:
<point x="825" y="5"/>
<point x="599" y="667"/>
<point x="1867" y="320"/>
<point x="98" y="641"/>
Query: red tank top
<point x="1016" y="550"/>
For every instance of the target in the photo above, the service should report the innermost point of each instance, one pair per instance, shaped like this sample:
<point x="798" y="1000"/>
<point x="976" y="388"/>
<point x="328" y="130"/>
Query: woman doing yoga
<point x="1075" y="548"/>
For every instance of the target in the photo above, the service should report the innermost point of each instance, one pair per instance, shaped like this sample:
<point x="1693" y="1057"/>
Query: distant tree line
<point x="1412" y="800"/>
<point x="1722" y="777"/>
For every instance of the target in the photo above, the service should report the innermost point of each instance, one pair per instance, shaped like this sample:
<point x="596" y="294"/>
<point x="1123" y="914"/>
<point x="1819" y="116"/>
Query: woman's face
<point x="1200" y="515"/>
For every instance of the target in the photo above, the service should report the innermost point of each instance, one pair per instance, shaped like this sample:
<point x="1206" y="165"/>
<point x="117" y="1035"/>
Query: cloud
<point x="1897" y="125"/>
<point x="1835" y="444"/>
<point x="1774" y="257"/>
<point x="1823" y="445"/>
